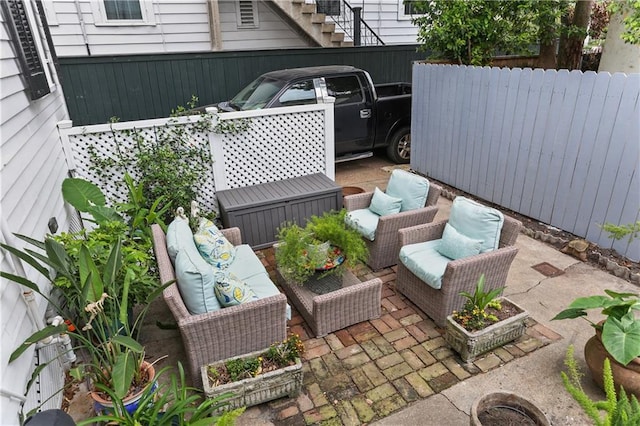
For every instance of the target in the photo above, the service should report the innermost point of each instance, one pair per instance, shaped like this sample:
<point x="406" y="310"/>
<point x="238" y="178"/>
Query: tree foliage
<point x="631" y="12"/>
<point x="473" y="31"/>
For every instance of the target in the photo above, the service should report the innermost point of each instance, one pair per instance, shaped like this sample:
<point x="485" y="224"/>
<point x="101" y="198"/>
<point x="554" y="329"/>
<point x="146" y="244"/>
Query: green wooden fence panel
<point x="150" y="86"/>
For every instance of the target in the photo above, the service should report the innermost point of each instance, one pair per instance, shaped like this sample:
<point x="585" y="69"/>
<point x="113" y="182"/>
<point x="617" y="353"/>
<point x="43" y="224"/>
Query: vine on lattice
<point x="172" y="161"/>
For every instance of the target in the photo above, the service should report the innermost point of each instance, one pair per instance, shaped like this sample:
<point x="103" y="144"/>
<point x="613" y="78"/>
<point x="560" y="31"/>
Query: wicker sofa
<point x="227" y="332"/>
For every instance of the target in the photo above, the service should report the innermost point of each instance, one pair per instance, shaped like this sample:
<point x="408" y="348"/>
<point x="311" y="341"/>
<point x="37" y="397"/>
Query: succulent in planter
<point x="257" y="377"/>
<point x="484" y="322"/>
<point x="280" y="354"/>
<point x="480" y="308"/>
<point x="298" y="257"/>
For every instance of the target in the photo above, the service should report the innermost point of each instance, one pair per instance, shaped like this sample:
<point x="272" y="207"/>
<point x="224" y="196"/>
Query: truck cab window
<point x="346" y="89"/>
<point x="301" y="93"/>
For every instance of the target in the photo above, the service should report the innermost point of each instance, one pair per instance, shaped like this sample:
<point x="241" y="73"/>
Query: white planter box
<point x="275" y="384"/>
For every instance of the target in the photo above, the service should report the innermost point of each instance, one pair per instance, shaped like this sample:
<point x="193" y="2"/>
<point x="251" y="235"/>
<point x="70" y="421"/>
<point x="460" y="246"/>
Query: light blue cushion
<point x="425" y="262"/>
<point x="213" y="245"/>
<point x="249" y="269"/>
<point x="178" y="235"/>
<point x="263" y="287"/>
<point x="364" y="221"/>
<point x="478" y="222"/>
<point x="246" y="264"/>
<point x="196" y="280"/>
<point x="411" y="188"/>
<point x="383" y="204"/>
<point x="231" y="290"/>
<point x="454" y="245"/>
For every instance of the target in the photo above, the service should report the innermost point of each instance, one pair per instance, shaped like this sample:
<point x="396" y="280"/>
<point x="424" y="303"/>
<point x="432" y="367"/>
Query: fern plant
<point x="615" y="410"/>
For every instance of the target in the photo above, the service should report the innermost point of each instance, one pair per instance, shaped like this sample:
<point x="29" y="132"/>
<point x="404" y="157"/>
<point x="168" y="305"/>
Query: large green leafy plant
<point x="129" y="223"/>
<point x="620" y="329"/>
<point x="100" y="273"/>
<point x="103" y="328"/>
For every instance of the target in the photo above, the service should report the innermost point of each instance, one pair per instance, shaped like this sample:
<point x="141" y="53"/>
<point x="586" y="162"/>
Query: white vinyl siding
<point x="387" y="19"/>
<point x="271" y="33"/>
<point x="171" y="26"/>
<point x="184" y="26"/>
<point x="32" y="169"/>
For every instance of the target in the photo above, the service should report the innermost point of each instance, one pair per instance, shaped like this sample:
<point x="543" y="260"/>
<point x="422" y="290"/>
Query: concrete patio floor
<point x="397" y="370"/>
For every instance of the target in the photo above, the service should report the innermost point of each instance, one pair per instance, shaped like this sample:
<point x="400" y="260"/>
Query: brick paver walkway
<point x="372" y="369"/>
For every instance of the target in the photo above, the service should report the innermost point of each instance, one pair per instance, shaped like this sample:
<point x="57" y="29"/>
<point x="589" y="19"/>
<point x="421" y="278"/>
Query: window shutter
<point x="27" y="51"/>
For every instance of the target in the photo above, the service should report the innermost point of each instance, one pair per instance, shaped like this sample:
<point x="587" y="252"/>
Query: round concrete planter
<point x="507" y="402"/>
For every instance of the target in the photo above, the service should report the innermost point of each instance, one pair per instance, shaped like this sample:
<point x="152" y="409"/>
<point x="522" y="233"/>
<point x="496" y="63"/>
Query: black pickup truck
<point x="366" y="116"/>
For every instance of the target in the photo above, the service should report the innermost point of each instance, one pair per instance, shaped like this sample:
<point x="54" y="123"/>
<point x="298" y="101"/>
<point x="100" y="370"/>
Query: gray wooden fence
<point x="560" y="147"/>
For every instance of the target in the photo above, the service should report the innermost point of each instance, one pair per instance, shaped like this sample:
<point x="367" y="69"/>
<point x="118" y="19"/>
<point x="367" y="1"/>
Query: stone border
<point x="609" y="265"/>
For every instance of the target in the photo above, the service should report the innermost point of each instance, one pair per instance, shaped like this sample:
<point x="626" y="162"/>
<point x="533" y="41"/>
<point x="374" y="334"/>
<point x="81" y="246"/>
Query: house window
<point x="407" y="9"/>
<point x="122" y="9"/>
<point x="28" y="47"/>
<point x="123" y="12"/>
<point x="247" y="14"/>
<point x="328" y="7"/>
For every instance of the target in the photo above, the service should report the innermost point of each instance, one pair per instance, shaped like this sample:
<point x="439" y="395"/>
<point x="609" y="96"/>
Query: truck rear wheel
<point x="399" y="150"/>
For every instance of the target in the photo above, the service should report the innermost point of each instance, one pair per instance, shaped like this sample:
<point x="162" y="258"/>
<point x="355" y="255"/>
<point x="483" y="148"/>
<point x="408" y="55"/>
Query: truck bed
<point x="393" y="89"/>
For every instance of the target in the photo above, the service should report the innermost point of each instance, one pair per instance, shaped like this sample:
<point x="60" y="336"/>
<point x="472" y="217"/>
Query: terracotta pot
<point x="506" y="401"/>
<point x="101" y="405"/>
<point x="626" y="376"/>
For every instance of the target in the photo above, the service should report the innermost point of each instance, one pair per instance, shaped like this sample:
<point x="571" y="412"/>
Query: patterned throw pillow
<point x="212" y="245"/>
<point x="232" y="291"/>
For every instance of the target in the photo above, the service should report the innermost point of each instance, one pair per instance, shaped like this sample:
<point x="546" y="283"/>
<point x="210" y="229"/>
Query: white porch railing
<point x="280" y="143"/>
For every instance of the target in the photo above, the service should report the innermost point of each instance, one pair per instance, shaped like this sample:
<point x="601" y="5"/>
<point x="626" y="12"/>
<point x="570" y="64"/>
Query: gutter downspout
<point x="85" y="38"/>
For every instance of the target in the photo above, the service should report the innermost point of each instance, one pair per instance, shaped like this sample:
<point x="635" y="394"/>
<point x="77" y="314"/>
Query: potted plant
<point x="617" y="337"/>
<point x="484" y="322"/>
<point x="324" y="244"/>
<point x="96" y="277"/>
<point x="174" y="403"/>
<point x="617" y="409"/>
<point x="115" y="360"/>
<point x="259" y="376"/>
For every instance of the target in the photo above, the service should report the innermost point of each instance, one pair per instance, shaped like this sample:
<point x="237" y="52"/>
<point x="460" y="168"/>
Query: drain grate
<point x="548" y="269"/>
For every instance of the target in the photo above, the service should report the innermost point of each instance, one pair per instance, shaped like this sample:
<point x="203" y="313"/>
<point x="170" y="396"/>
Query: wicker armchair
<point x="383" y="251"/>
<point x="228" y="332"/>
<point x="460" y="275"/>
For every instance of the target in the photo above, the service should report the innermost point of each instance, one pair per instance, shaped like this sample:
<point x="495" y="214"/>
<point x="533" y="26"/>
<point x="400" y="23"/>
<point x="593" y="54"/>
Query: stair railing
<point x="349" y="20"/>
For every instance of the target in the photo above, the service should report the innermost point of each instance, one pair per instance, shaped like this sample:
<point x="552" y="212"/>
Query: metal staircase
<point x="340" y="25"/>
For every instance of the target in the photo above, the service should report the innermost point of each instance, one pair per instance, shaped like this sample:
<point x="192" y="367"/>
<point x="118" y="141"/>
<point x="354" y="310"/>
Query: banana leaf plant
<point x="621" y="328"/>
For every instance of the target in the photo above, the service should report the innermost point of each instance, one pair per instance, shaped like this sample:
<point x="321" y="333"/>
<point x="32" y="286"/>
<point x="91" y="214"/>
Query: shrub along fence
<point x="560" y="147"/>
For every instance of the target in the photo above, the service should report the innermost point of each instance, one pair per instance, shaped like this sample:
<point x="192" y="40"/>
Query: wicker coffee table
<point x="350" y="304"/>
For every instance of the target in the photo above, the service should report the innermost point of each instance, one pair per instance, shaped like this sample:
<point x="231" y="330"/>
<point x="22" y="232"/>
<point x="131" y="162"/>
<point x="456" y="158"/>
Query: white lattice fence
<point x="278" y="144"/>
